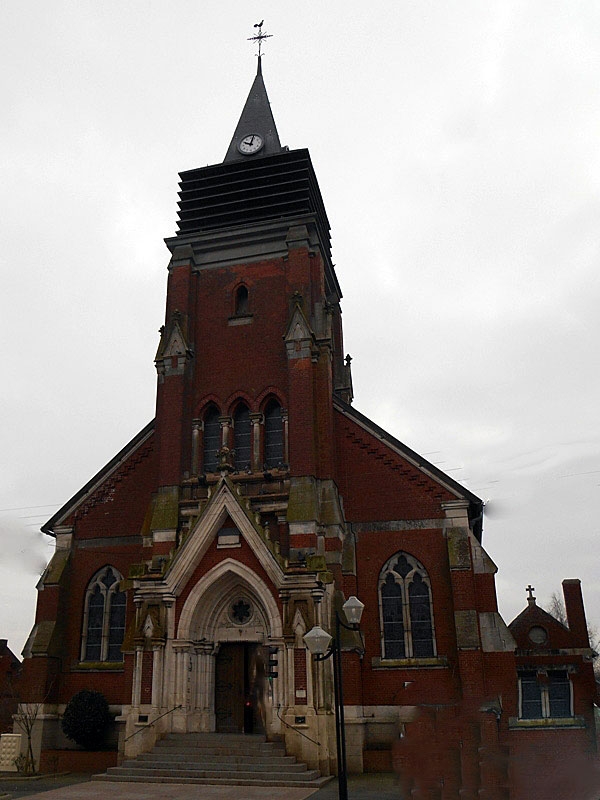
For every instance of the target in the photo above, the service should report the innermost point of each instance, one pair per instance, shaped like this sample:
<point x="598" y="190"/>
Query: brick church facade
<point x="258" y="500"/>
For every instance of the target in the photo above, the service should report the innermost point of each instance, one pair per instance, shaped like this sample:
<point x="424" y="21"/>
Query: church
<point x="189" y="570"/>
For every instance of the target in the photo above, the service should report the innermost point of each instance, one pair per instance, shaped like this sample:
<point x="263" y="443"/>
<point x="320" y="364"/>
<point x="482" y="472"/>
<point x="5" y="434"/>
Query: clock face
<point x="251" y="143"/>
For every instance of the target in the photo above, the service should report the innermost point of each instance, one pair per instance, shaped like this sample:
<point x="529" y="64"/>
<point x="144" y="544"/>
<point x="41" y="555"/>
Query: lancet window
<point x="274" y="450"/>
<point x="406" y="609"/>
<point x="104" y="617"/>
<point x="211" y="439"/>
<point x="242" y="437"/>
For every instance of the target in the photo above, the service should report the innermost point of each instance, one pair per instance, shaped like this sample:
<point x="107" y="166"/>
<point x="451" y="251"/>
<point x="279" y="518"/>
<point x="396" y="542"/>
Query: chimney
<point x="575" y="611"/>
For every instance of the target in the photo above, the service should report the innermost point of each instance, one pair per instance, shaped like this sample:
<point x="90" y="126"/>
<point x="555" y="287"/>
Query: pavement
<point x="72" y="786"/>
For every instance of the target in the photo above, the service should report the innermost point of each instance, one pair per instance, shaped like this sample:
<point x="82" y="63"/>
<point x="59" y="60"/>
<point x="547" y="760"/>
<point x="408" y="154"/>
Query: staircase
<point x="216" y="759"/>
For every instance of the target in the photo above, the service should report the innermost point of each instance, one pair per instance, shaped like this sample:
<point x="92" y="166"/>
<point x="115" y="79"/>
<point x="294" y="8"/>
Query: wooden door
<point x="230" y="688"/>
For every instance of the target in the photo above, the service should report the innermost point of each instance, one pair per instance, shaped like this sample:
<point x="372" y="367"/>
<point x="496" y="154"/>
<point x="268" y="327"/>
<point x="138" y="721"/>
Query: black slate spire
<point x="256" y="132"/>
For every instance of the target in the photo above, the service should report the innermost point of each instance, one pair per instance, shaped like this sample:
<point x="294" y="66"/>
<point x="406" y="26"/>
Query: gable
<point x="228" y="513"/>
<point x="381" y="479"/>
<point x="533" y="620"/>
<point x="106" y="489"/>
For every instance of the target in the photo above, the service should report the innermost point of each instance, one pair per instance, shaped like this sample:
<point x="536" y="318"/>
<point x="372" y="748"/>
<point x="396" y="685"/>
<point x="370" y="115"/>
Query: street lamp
<point x="322" y="645"/>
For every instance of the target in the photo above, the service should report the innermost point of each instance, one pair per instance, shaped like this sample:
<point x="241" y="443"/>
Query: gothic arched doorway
<point x="229" y="621"/>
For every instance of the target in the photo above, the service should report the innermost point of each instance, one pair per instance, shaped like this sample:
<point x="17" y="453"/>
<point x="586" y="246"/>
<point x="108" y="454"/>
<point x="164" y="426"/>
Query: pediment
<point x="229" y="513"/>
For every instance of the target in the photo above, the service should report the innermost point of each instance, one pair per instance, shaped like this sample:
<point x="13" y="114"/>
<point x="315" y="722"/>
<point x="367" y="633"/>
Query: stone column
<point x="225" y="431"/>
<point x="210" y="683"/>
<point x="157" y="675"/>
<point x="136" y="694"/>
<point x="290" y="697"/>
<point x="256" y="421"/>
<point x="286" y="446"/>
<point x="197" y="428"/>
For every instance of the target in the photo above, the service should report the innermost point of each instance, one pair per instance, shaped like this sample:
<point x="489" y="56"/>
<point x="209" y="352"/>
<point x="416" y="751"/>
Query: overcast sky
<point x="456" y="146"/>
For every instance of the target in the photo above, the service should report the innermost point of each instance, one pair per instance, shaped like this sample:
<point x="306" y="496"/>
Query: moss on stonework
<point x="458" y="548"/>
<point x="42" y="639"/>
<point x="330" y="509"/>
<point x="165" y="509"/>
<point x="55" y="568"/>
<point x="316" y="564"/>
<point x="303" y="504"/>
<point x="137" y="570"/>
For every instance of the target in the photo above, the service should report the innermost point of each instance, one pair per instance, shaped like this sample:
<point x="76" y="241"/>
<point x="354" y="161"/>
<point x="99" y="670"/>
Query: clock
<point x="250" y="144"/>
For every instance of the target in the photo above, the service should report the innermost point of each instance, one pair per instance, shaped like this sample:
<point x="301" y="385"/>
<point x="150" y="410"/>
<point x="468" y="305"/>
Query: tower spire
<point x="256" y="133"/>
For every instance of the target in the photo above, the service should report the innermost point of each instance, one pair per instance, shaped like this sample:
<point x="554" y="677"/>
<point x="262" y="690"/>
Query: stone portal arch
<point x="204" y="608"/>
<point x="229" y="607"/>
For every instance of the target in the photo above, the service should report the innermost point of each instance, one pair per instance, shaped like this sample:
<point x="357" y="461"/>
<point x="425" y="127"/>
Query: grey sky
<point x="456" y="146"/>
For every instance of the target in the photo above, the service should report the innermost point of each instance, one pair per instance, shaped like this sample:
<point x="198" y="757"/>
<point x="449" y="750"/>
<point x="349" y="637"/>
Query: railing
<point x="150" y="724"/>
<point x="291" y="727"/>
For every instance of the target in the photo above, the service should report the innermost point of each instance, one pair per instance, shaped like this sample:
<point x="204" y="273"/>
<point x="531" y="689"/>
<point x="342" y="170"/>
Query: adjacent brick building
<point x="259" y="499"/>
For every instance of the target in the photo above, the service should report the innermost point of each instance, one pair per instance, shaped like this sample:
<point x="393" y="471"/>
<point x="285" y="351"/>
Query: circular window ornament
<point x="538" y="635"/>
<point x="241" y="611"/>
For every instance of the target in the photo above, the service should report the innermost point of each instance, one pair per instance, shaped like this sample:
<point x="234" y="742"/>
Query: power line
<point x="28" y="508"/>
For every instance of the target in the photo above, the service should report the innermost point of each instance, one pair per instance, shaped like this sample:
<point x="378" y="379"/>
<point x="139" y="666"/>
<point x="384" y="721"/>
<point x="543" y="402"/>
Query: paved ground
<point x="79" y="787"/>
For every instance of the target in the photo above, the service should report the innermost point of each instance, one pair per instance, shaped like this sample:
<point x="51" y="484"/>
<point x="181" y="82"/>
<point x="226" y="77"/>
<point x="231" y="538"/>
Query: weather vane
<point x="259" y="37"/>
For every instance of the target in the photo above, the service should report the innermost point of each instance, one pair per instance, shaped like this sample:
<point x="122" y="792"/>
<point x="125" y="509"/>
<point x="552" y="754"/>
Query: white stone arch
<point x="205" y="603"/>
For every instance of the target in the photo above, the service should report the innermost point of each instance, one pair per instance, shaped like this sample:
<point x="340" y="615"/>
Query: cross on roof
<point x="530" y="590"/>
<point x="260" y="36"/>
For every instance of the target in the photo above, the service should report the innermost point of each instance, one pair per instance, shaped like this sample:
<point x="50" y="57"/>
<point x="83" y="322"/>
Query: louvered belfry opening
<point x="243" y="192"/>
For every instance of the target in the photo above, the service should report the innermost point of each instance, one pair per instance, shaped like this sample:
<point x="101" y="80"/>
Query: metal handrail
<point x="150" y="724"/>
<point x="291" y="727"/>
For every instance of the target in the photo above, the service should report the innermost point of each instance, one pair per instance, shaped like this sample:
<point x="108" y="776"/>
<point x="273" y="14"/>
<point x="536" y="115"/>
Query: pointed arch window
<point x="104" y="617"/>
<point x="406" y="609"/>
<point x="242" y="437"/>
<point x="211" y="439"/>
<point x="273" y="435"/>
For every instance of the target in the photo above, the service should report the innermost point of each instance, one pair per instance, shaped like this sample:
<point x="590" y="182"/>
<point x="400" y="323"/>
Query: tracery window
<point x="211" y="439"/>
<point x="545" y="694"/>
<point x="406" y="609"/>
<point x="104" y="618"/>
<point x="242" y="437"/>
<point x="274" y="452"/>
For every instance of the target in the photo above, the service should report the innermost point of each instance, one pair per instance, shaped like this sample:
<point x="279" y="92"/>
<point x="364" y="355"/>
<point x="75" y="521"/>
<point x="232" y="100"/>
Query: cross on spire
<point x="530" y="590"/>
<point x="259" y="37"/>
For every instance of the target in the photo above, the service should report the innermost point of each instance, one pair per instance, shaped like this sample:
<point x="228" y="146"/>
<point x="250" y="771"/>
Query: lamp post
<point x="322" y="645"/>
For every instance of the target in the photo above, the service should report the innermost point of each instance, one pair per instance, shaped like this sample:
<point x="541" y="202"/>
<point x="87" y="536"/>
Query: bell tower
<point x="251" y="352"/>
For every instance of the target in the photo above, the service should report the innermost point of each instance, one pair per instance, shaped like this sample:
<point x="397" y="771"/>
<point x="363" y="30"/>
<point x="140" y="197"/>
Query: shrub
<point x="86" y="719"/>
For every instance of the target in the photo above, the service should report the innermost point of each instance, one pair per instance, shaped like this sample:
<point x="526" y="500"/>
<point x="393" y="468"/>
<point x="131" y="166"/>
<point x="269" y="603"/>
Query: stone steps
<point x="215" y="759"/>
